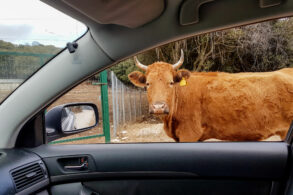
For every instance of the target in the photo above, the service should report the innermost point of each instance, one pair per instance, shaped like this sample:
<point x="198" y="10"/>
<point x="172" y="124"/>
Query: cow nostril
<point x="158" y="108"/>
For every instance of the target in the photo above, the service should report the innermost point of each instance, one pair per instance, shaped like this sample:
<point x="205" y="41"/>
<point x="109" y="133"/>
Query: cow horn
<point x="139" y="65"/>
<point x="180" y="62"/>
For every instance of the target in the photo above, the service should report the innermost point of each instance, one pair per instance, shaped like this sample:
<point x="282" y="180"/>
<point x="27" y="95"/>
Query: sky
<point x="25" y="21"/>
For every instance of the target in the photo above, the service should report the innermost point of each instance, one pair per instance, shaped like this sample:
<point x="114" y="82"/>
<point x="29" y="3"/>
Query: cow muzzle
<point x="159" y="108"/>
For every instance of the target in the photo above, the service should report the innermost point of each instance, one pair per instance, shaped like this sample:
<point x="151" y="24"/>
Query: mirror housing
<point x="62" y="120"/>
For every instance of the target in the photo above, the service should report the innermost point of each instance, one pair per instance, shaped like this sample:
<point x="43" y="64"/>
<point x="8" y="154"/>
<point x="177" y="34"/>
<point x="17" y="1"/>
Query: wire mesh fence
<point x="128" y="104"/>
<point x="15" y="67"/>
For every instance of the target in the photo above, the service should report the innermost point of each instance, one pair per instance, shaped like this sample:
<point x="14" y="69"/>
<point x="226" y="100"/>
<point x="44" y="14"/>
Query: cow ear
<point x="137" y="78"/>
<point x="183" y="73"/>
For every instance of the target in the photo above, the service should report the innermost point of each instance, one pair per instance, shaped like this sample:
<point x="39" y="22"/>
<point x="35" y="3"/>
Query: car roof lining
<point x="139" y="12"/>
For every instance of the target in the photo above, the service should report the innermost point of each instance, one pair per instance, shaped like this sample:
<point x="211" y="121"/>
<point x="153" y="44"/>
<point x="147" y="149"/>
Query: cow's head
<point x="160" y="80"/>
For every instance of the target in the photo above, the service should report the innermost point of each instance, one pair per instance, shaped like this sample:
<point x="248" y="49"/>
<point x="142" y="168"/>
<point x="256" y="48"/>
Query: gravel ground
<point x="142" y="132"/>
<point x="131" y="133"/>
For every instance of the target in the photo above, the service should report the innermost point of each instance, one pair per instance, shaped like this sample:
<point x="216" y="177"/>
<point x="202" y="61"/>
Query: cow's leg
<point x="182" y="131"/>
<point x="170" y="127"/>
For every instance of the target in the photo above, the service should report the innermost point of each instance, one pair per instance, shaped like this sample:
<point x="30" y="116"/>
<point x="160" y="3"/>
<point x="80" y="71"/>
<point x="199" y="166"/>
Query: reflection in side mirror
<point x="77" y="117"/>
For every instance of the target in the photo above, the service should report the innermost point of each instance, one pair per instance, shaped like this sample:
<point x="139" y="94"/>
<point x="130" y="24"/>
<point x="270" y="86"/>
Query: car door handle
<point x="77" y="167"/>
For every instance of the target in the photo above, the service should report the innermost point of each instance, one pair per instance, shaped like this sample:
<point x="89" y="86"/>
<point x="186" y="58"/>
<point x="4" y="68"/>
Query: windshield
<point x="31" y="32"/>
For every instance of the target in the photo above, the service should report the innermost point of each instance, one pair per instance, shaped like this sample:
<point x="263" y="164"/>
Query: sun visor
<point x="130" y="13"/>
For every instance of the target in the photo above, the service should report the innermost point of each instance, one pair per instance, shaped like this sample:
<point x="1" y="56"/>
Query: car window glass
<point x="31" y="33"/>
<point x="230" y="85"/>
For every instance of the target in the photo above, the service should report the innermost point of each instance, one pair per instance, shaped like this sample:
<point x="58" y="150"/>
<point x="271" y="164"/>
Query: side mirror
<point x="70" y="119"/>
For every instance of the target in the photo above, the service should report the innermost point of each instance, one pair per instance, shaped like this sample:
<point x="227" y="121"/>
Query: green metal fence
<point x="105" y="105"/>
<point x="105" y="114"/>
<point x="18" y="65"/>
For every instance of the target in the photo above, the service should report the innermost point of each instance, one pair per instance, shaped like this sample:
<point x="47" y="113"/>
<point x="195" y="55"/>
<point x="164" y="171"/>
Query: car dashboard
<point x="22" y="172"/>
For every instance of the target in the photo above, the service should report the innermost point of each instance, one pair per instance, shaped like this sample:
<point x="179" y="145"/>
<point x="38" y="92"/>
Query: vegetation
<point x="266" y="46"/>
<point x="34" y="48"/>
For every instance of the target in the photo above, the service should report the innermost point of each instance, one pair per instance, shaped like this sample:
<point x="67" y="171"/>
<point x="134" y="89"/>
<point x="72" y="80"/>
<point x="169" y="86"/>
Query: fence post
<point x="140" y="112"/>
<point x="105" y="106"/>
<point x="116" y="105"/>
<point x="41" y="61"/>
<point x="123" y="104"/>
<point x="130" y="107"/>
<point x="134" y="104"/>
<point x="113" y="103"/>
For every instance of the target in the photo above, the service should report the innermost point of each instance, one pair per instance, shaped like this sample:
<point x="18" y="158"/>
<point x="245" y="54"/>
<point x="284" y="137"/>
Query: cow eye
<point x="171" y="83"/>
<point x="148" y="84"/>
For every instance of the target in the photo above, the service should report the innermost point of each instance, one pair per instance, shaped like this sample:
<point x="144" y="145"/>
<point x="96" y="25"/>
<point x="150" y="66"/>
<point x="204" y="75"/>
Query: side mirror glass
<point x="70" y="119"/>
<point x="77" y="117"/>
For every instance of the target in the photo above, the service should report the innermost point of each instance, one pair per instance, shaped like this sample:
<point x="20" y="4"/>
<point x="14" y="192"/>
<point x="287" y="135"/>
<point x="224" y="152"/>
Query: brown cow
<point x="236" y="107"/>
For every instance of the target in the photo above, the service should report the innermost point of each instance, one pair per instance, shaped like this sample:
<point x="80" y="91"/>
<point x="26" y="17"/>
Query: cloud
<point x="33" y="20"/>
<point x="15" y="32"/>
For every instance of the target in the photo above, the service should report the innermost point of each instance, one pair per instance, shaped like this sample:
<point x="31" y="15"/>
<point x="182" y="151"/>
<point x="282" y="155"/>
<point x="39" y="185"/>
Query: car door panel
<point x="221" y="168"/>
<point x="243" y="160"/>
